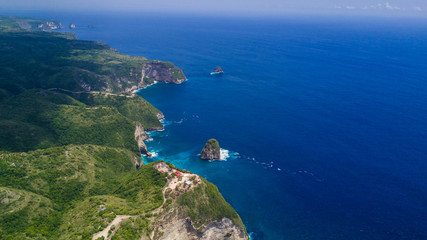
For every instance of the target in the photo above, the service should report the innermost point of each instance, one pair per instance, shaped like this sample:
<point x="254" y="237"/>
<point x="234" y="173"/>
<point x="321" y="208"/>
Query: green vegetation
<point x="91" y="216"/>
<point x="19" y="24"/>
<point x="39" y="119"/>
<point x="22" y="211"/>
<point x="66" y="173"/>
<point x="144" y="188"/>
<point x="133" y="228"/>
<point x="212" y="144"/>
<point x="67" y="156"/>
<point x="35" y="59"/>
<point x="51" y="180"/>
<point x="68" y="192"/>
<point x="133" y="107"/>
<point x="205" y="204"/>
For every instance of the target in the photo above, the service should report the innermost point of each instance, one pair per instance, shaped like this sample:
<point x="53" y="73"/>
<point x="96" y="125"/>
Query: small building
<point x="178" y="173"/>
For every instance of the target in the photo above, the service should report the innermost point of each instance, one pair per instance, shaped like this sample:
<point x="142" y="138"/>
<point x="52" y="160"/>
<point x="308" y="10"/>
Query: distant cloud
<point x="379" y="6"/>
<point x="390" y="7"/>
<point x="418" y="9"/>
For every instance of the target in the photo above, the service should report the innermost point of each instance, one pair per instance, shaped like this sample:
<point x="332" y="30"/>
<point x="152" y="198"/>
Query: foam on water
<point x="226" y="154"/>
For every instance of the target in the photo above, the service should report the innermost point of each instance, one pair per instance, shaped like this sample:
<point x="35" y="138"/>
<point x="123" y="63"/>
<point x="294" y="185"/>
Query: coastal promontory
<point x="71" y="138"/>
<point x="211" y="151"/>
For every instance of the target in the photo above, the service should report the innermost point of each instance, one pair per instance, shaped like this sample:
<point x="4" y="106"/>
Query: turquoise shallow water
<point x="324" y="120"/>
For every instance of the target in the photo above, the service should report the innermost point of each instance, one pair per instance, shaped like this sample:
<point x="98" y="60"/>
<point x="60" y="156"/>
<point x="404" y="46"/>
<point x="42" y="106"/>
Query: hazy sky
<point x="241" y="7"/>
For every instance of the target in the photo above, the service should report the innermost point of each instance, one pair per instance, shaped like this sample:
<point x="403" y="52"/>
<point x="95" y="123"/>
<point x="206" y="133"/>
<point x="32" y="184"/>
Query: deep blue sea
<point x="324" y="119"/>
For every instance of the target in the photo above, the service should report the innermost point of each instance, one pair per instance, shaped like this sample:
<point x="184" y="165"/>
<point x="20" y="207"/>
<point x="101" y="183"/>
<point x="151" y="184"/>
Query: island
<point x="217" y="70"/>
<point x="72" y="134"/>
<point x="211" y="151"/>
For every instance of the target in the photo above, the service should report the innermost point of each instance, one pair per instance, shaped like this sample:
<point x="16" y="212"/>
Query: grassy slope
<point x="21" y="210"/>
<point x="88" y="217"/>
<point x="140" y="193"/>
<point x="144" y="188"/>
<point x="39" y="119"/>
<point x="62" y="176"/>
<point x="133" y="107"/>
<point x="133" y="228"/>
<point x="205" y="204"/>
<point x="212" y="144"/>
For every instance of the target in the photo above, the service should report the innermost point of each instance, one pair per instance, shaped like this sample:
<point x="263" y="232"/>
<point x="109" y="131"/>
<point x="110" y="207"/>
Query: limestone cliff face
<point x="183" y="229"/>
<point x="140" y="137"/>
<point x="187" y="194"/>
<point x="211" y="151"/>
<point x="162" y="72"/>
<point x="149" y="73"/>
<point x="126" y="78"/>
<point x="46" y="26"/>
<point x="160" y="116"/>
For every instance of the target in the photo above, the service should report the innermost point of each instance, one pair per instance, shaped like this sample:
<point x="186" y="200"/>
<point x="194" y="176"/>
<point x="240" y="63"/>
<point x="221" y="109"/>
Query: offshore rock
<point x="218" y="70"/>
<point x="211" y="151"/>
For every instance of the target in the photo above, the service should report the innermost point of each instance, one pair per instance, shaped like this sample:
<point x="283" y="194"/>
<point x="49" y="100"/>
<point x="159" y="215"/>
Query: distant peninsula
<point x="72" y="134"/>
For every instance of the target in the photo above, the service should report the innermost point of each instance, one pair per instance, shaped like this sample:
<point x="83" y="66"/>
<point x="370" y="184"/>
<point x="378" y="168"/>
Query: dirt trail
<point x="116" y="222"/>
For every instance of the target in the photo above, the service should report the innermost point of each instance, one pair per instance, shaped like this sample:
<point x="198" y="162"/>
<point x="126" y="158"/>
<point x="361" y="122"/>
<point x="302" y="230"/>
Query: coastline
<point x="110" y="105"/>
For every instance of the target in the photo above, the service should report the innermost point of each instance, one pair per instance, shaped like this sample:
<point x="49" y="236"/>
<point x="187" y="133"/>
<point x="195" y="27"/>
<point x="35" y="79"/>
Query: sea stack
<point x="211" y="151"/>
<point x="217" y="70"/>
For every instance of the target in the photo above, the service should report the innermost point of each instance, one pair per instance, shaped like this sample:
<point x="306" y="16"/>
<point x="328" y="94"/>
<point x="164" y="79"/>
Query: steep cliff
<point x="140" y="137"/>
<point x="163" y="72"/>
<point x="211" y="150"/>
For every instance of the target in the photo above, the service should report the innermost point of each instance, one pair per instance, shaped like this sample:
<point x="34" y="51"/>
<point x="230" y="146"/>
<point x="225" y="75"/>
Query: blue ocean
<point x="322" y="121"/>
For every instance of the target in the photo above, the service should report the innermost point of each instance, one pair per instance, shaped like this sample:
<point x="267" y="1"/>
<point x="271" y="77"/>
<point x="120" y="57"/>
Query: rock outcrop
<point x="140" y="137"/>
<point x="211" y="151"/>
<point x="160" y="116"/>
<point x="184" y="229"/>
<point x="190" y="193"/>
<point x="162" y="72"/>
<point x="218" y="70"/>
<point x="151" y="72"/>
<point x="40" y="25"/>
